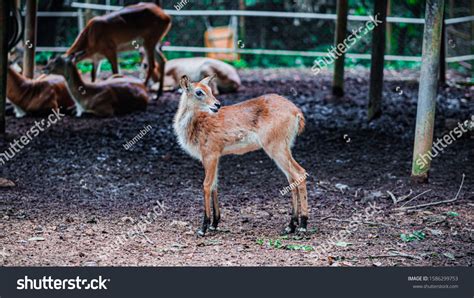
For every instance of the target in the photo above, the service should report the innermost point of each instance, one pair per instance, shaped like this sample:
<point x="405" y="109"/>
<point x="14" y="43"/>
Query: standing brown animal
<point x="206" y="131"/>
<point x="115" y="96"/>
<point x="38" y="96"/>
<point x="126" y="29"/>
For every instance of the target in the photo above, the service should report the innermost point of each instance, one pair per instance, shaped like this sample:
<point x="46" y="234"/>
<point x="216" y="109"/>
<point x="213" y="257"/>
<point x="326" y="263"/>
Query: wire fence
<point x="301" y="35"/>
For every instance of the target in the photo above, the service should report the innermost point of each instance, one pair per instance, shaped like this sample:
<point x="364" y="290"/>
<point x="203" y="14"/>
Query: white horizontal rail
<point x="460" y="58"/>
<point x="459" y="20"/>
<point x="251" y="13"/>
<point x="266" y="14"/>
<point x="252" y="52"/>
<point x="55" y="14"/>
<point x="276" y="14"/>
<point x="275" y="52"/>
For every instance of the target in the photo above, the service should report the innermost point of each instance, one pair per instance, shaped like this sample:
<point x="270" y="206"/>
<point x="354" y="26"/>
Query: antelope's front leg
<point x="210" y="167"/>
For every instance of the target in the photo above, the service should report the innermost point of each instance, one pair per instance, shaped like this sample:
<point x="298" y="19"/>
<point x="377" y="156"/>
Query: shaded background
<point x="284" y="33"/>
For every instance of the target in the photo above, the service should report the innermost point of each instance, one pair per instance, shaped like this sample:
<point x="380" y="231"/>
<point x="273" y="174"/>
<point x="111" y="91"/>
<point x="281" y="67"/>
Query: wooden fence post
<point x="4" y="12"/>
<point x="341" y="30"/>
<point x="377" y="64"/>
<point x="427" y="92"/>
<point x="30" y="39"/>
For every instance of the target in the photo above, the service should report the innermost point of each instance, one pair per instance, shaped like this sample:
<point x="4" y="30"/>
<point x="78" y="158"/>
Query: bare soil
<point x="77" y="188"/>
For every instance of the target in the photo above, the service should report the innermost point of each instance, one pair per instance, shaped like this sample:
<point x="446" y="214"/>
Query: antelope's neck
<point x="77" y="89"/>
<point x="17" y="86"/>
<point x="184" y="124"/>
<point x="75" y="82"/>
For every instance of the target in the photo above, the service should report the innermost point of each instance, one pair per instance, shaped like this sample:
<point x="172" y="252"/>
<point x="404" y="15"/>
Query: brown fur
<point x="37" y="96"/>
<point x="115" y="96"/>
<point x="105" y="35"/>
<point x="269" y="122"/>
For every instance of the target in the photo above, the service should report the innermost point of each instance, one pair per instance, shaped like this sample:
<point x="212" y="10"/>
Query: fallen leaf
<point x="342" y="187"/>
<point x="36" y="239"/>
<point x="343" y="244"/>
<point x="435" y="232"/>
<point x="6" y="183"/>
<point x="449" y="255"/>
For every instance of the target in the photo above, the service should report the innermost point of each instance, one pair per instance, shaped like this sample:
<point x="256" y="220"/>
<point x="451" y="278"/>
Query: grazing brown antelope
<point x="270" y="122"/>
<point x="123" y="30"/>
<point x="115" y="96"/>
<point x="198" y="68"/>
<point x="37" y="96"/>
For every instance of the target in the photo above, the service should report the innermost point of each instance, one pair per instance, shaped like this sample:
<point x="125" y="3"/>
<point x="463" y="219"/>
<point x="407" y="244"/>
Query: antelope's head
<point x="58" y="65"/>
<point x="199" y="95"/>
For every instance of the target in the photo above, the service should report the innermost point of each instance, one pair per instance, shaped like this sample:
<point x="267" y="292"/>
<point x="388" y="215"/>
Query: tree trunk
<point x="377" y="64"/>
<point x="427" y="92"/>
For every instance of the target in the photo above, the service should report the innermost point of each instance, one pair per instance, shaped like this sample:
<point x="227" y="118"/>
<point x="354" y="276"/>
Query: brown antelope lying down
<point x="123" y="30"/>
<point x="38" y="96"/>
<point x="198" y="68"/>
<point x="115" y="96"/>
<point x="207" y="132"/>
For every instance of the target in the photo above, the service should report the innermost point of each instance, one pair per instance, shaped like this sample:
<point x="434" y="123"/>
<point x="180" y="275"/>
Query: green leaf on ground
<point x="277" y="244"/>
<point x="343" y="244"/>
<point x="452" y="213"/>
<point x="299" y="247"/>
<point x="415" y="236"/>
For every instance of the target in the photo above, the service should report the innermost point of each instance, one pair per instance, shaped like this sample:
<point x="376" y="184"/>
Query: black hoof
<point x="213" y="229"/>
<point x="301" y="231"/>
<point x="201" y="233"/>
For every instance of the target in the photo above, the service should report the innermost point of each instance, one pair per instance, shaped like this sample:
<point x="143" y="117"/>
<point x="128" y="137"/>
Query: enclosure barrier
<point x="272" y="14"/>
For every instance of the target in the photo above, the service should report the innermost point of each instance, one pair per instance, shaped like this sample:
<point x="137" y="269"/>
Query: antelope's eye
<point x="199" y="93"/>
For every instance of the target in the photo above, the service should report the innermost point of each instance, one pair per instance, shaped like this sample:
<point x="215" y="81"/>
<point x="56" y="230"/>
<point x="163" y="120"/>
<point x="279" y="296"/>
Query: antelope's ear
<point x="75" y="57"/>
<point x="208" y="79"/>
<point x="185" y="83"/>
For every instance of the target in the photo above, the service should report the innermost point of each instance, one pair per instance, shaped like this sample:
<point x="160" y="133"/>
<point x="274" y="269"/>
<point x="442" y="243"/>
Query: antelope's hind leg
<point x="216" y="212"/>
<point x="281" y="154"/>
<point x="291" y="227"/>
<point x="302" y="197"/>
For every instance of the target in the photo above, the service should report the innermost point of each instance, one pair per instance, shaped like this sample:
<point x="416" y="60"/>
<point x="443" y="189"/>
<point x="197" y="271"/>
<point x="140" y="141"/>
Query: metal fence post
<point x="341" y="29"/>
<point x="427" y="92"/>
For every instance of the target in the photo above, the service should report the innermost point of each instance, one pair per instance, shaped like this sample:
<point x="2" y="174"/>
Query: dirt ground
<point x="77" y="188"/>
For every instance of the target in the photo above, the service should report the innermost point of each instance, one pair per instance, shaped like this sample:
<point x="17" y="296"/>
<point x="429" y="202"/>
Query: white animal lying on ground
<point x="198" y="68"/>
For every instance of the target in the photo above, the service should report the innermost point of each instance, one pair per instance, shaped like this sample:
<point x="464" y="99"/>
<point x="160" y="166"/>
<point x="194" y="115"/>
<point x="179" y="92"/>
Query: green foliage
<point x="43" y="57"/>
<point x="452" y="213"/>
<point x="415" y="236"/>
<point x="278" y="244"/>
<point x="128" y="61"/>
